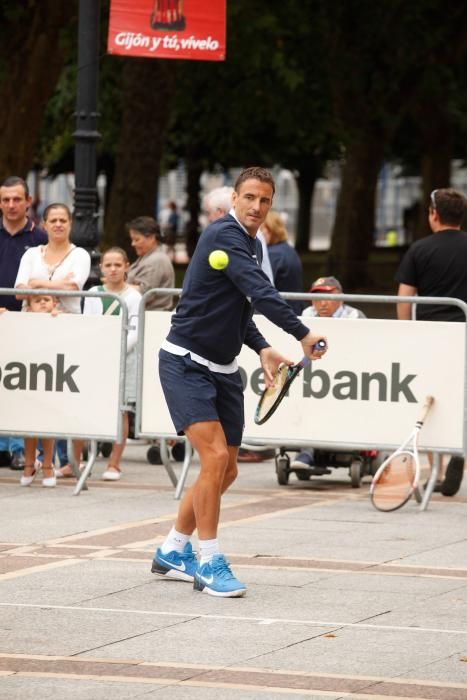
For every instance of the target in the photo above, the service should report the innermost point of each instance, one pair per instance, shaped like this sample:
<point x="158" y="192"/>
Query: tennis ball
<point x="218" y="259"/>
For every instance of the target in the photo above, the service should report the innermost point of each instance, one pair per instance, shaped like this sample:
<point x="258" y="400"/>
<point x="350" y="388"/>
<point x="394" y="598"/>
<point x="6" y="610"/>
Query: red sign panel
<point x="190" y="29"/>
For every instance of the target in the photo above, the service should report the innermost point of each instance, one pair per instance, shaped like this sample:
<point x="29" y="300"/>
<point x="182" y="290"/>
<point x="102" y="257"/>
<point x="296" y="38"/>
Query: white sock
<point x="175" y="541"/>
<point x="207" y="549"/>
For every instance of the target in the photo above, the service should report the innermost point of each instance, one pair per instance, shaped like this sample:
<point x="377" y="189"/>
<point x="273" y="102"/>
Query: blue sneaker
<point x="216" y="578"/>
<point x="176" y="565"/>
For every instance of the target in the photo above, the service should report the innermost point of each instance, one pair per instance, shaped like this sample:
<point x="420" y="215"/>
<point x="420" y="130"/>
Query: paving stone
<point x="372" y="595"/>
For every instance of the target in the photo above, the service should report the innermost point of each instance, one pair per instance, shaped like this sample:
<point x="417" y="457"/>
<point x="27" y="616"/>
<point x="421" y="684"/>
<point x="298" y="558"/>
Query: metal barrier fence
<point x="164" y="435"/>
<point x="94" y="406"/>
<point x="98" y="357"/>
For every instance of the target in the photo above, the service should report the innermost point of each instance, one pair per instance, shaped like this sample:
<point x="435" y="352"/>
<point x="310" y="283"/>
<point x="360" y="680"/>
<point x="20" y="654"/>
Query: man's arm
<point x="254" y="339"/>
<point x="404" y="309"/>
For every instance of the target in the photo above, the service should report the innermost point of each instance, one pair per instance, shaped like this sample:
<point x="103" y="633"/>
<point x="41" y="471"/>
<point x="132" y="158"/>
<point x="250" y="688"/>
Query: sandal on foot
<point x="26" y="480"/>
<point x="49" y="481"/>
<point x="66" y="472"/>
<point x="112" y="474"/>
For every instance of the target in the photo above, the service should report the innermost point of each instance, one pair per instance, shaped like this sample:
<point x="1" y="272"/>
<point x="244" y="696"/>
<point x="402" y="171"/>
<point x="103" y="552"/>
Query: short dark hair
<point x="14" y="180"/>
<point x="450" y="205"/>
<point x="255" y="173"/>
<point x="55" y="205"/>
<point x="145" y="225"/>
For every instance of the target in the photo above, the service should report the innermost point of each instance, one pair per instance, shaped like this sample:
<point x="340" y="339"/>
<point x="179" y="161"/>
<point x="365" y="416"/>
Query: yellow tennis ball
<point x="218" y="259"/>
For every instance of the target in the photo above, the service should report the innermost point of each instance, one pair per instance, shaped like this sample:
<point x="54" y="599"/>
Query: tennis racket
<point x="399" y="475"/>
<point x="272" y="396"/>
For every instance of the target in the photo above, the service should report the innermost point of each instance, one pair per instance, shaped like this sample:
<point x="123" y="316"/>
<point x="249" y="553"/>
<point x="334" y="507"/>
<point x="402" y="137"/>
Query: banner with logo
<point x="60" y="375"/>
<point x="367" y="390"/>
<point x="189" y="29"/>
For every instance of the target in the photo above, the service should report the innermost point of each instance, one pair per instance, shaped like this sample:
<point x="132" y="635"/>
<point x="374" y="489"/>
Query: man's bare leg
<point x="200" y="506"/>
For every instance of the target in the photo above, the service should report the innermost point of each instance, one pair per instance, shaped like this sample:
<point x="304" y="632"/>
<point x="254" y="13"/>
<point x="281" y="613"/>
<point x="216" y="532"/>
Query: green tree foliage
<point x="134" y="100"/>
<point x="140" y="142"/>
<point x="56" y="147"/>
<point x="385" y="61"/>
<point x="436" y="118"/>
<point x="371" y="75"/>
<point x="303" y="83"/>
<point x="32" y="49"/>
<point x="267" y="104"/>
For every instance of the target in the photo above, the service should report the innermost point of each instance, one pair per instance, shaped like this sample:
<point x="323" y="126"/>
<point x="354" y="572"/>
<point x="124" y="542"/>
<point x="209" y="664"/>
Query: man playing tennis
<point x="201" y="382"/>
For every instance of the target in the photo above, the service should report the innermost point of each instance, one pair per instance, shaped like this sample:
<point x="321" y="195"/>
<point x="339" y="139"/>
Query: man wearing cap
<point x="324" y="308"/>
<point x="329" y="307"/>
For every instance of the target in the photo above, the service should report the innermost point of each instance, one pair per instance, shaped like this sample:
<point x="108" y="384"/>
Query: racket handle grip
<point x="429" y="400"/>
<point x="320" y="345"/>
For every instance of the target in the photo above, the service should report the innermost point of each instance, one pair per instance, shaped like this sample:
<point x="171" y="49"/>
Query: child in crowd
<point x="114" y="267"/>
<point x="42" y="304"/>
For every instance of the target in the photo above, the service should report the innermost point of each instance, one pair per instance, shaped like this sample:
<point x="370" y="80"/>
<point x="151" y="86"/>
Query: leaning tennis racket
<point x="399" y="475"/>
<point x="272" y="396"/>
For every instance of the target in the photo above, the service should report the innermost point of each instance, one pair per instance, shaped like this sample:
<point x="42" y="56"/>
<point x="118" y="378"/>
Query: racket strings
<point x="271" y="394"/>
<point x="395" y="483"/>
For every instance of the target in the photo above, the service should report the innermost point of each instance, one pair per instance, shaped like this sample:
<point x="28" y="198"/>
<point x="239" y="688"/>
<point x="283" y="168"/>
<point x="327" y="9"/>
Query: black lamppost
<point x="85" y="231"/>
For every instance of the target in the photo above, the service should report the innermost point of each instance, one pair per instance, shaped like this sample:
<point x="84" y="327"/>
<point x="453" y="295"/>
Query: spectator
<point x="435" y="266"/>
<point x="330" y="307"/>
<point x="325" y="308"/>
<point x="18" y="232"/>
<point x="46" y="305"/>
<point x="169" y="227"/>
<point x="153" y="268"/>
<point x="218" y="203"/>
<point x="286" y="264"/>
<point x="173" y="217"/>
<point x="58" y="265"/>
<point x="114" y="267"/>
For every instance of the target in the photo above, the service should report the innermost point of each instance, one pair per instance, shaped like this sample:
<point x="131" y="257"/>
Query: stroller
<point x="359" y="464"/>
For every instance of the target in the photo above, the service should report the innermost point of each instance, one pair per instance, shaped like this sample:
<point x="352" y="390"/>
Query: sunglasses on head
<point x="433" y="199"/>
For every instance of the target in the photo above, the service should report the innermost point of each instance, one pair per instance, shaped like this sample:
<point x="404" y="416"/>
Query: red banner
<point x="189" y="29"/>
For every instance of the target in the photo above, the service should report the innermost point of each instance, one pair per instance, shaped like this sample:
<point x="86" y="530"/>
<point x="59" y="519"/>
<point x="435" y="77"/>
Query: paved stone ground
<point x="343" y="601"/>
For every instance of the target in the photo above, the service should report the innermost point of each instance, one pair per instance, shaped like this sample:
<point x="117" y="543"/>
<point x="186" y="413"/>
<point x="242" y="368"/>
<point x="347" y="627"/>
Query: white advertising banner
<point x="366" y="391"/>
<point x="60" y="375"/>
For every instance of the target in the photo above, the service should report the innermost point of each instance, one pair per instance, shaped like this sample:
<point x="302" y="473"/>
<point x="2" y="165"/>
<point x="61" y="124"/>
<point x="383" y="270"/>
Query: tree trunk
<point x="147" y="88"/>
<point x="435" y="164"/>
<point x="28" y="45"/>
<point x="306" y="180"/>
<point x="353" y="230"/>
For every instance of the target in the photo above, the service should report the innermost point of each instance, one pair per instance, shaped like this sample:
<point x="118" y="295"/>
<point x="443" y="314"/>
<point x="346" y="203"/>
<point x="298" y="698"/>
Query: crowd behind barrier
<point x="105" y="356"/>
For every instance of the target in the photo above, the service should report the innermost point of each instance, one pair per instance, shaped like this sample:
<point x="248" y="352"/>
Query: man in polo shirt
<point x="17" y="233"/>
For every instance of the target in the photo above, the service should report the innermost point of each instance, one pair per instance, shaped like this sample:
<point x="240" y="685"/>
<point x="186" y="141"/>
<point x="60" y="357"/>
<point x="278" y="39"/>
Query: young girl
<point x="114" y="266"/>
<point x="43" y="304"/>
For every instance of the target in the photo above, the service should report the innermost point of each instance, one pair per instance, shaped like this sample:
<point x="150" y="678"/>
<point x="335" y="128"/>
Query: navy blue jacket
<point x="214" y="315"/>
<point x="12" y="249"/>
